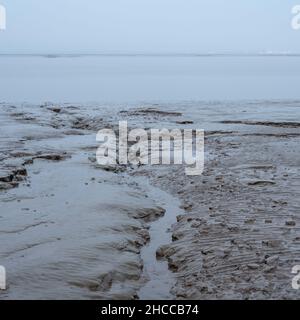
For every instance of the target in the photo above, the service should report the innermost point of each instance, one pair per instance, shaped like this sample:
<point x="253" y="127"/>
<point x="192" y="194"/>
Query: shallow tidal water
<point x="131" y="79"/>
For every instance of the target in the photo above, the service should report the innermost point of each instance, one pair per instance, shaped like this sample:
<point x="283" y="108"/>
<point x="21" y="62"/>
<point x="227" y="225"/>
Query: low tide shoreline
<point x="70" y="229"/>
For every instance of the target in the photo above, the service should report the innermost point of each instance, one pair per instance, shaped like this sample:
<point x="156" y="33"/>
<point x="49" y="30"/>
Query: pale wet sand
<point x="72" y="230"/>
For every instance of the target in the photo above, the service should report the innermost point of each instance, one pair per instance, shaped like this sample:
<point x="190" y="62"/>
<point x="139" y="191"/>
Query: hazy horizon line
<point x="158" y="54"/>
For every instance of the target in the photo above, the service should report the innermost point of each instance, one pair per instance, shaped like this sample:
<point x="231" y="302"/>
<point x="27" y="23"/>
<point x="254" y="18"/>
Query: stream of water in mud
<point x="160" y="279"/>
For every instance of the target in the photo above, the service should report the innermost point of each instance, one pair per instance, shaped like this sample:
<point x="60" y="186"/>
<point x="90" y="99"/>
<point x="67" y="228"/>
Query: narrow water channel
<point x="160" y="279"/>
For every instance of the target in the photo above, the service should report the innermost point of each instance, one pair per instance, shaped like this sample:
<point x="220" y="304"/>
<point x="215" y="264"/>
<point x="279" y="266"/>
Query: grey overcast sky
<point x="152" y="26"/>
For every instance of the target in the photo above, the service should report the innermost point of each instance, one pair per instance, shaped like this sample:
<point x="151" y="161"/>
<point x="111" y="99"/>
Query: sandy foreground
<point x="71" y="229"/>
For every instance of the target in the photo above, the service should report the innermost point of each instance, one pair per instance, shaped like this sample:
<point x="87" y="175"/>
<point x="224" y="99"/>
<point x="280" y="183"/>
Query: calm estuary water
<point x="115" y="79"/>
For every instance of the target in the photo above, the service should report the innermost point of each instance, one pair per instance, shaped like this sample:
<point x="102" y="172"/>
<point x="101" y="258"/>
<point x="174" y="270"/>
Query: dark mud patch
<point x="184" y="122"/>
<point x="274" y="135"/>
<point x="219" y="132"/>
<point x="150" y="112"/>
<point x="10" y="177"/>
<point x="86" y="123"/>
<point x="264" y="123"/>
<point x="262" y="183"/>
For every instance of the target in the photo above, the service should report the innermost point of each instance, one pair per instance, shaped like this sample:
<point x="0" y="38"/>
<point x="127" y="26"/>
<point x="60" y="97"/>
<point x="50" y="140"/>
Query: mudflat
<point x="71" y="229"/>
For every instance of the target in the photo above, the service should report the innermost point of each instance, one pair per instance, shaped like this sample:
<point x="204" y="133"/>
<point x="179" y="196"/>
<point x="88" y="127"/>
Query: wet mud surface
<point x="70" y="228"/>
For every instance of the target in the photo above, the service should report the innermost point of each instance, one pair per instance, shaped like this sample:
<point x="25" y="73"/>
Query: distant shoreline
<point x="183" y="55"/>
